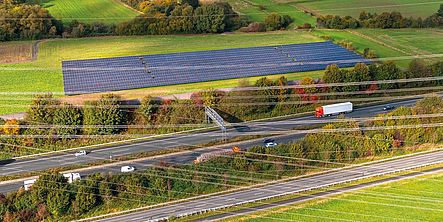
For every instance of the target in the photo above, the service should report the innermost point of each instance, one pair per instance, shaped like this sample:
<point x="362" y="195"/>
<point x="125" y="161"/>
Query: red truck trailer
<point x="333" y="109"/>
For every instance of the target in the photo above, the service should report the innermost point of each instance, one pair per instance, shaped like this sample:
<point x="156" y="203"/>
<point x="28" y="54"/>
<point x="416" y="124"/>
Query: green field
<point x="257" y="10"/>
<point x="392" y="42"/>
<point x="44" y="74"/>
<point x="414" y="8"/>
<point x="105" y="11"/>
<point x="413" y="41"/>
<point x="418" y="199"/>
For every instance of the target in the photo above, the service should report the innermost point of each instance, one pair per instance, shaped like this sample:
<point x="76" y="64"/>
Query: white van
<point x="126" y="169"/>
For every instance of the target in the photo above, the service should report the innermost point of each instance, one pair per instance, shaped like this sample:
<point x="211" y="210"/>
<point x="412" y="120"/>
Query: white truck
<point x="71" y="177"/>
<point x="27" y="184"/>
<point x="333" y="109"/>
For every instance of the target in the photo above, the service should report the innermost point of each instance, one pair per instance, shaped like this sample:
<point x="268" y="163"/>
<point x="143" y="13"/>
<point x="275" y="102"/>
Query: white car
<point x="270" y="143"/>
<point x="126" y="169"/>
<point x="81" y="153"/>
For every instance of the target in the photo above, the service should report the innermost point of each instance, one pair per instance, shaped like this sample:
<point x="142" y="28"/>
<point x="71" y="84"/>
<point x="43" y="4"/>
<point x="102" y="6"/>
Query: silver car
<point x="81" y="153"/>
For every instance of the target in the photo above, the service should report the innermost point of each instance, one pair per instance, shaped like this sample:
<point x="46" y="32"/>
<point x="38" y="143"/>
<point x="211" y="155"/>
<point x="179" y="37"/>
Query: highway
<point x="319" y="195"/>
<point x="279" y="189"/>
<point x="48" y="162"/>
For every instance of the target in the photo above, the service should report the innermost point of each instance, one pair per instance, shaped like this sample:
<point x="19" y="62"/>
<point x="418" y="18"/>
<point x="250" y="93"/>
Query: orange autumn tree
<point x="11" y="127"/>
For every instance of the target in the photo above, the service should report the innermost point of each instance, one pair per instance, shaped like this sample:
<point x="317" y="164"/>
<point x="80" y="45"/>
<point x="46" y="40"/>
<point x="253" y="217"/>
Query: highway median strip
<point x="134" y="158"/>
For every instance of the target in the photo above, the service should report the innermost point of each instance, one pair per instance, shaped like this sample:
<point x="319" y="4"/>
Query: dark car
<point x="388" y="107"/>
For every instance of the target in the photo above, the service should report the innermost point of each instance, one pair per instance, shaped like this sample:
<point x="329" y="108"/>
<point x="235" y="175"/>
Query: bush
<point x="77" y="29"/>
<point x="275" y="21"/>
<point x="326" y="37"/>
<point x="42" y="109"/>
<point x="100" y="116"/>
<point x="11" y="127"/>
<point x="148" y="109"/>
<point x="305" y="26"/>
<point x="369" y="53"/>
<point x="254" y="27"/>
<point x="347" y="45"/>
<point x="66" y="118"/>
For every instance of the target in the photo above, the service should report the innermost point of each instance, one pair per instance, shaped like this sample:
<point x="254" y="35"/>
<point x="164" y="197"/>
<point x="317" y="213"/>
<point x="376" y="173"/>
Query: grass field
<point x="413" y="41"/>
<point x="392" y="43"/>
<point x="21" y="81"/>
<point x="418" y="199"/>
<point x="414" y="8"/>
<point x="105" y="11"/>
<point x="257" y="10"/>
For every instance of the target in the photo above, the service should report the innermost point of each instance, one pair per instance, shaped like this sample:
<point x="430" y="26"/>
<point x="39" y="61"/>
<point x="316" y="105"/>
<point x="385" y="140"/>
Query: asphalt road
<point x="279" y="189"/>
<point x="48" y="162"/>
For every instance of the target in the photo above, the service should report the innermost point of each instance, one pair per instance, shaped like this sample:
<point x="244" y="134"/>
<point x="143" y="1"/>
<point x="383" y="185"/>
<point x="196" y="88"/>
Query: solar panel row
<point x="121" y="73"/>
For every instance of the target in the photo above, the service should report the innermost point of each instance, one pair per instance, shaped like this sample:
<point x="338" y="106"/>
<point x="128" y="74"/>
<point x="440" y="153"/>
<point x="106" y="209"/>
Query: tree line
<point x="52" y="198"/>
<point x="25" y="20"/>
<point x="31" y="21"/>
<point x="385" y="20"/>
<point x="183" y="19"/>
<point x="54" y="125"/>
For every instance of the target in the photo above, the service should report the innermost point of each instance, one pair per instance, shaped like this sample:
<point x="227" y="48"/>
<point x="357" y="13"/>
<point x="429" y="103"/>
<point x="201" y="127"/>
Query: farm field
<point x="418" y="198"/>
<point x="22" y="80"/>
<point x="257" y="10"/>
<point x="414" y="8"/>
<point x="392" y="42"/>
<point x="414" y="41"/>
<point x="89" y="11"/>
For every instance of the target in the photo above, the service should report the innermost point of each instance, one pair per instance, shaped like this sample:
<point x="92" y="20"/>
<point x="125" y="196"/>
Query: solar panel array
<point x="131" y="72"/>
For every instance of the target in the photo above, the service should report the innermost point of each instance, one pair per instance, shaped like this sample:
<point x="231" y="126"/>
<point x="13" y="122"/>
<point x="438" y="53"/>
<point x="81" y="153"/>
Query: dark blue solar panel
<point x="120" y="73"/>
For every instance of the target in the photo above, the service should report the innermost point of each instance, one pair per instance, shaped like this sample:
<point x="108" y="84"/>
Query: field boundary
<point x="129" y="7"/>
<point x="378" y="42"/>
<point x="34" y="51"/>
<point x="304" y="8"/>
